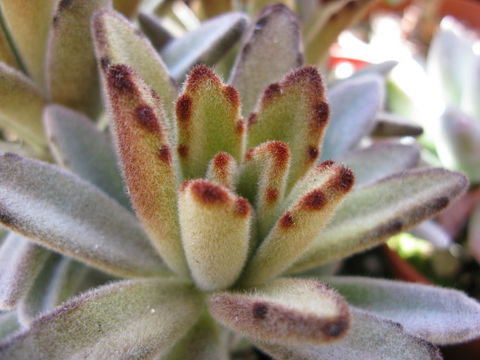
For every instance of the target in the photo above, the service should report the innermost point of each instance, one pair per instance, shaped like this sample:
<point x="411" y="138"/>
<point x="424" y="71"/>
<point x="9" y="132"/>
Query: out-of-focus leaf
<point x="21" y="104"/>
<point x="369" y="338"/>
<point x="471" y="85"/>
<point x="20" y="262"/>
<point x="88" y="225"/>
<point x="28" y="23"/>
<point x="131" y="319"/>
<point x="211" y="8"/>
<point x="206" y="45"/>
<point x="285" y="310"/>
<point x="441" y="316"/>
<point x="71" y="71"/>
<point x="17" y="148"/>
<point x="373" y="213"/>
<point x="432" y="232"/>
<point x="8" y="324"/>
<point x="158" y="34"/>
<point x="354" y="104"/>
<point x="380" y="160"/>
<point x="127" y="7"/>
<point x="382" y="69"/>
<point x="394" y="125"/>
<point x="474" y="233"/>
<point x="275" y="35"/>
<point x="77" y="145"/>
<point x="7" y="54"/>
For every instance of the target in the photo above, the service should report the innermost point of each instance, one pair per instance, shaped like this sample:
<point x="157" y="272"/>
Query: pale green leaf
<point x="441" y="316"/>
<point x="137" y="319"/>
<point x="8" y="323"/>
<point x="20" y="262"/>
<point x="7" y="54"/>
<point x="371" y="214"/>
<point x="354" y="104"/>
<point x="79" y="146"/>
<point x="275" y="35"/>
<point x="205" y="45"/>
<point x="285" y="310"/>
<point x="69" y="215"/>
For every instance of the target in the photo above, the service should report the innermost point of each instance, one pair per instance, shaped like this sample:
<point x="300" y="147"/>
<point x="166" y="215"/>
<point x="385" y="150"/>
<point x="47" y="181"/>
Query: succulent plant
<point x="234" y="204"/>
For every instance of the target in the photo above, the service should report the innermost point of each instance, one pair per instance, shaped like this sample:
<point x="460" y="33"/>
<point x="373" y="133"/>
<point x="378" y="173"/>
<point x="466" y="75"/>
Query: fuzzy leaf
<point x="380" y="160"/>
<point x="275" y="35"/>
<point x="77" y="145"/>
<point x="372" y="214"/>
<point x="118" y="42"/>
<point x="72" y="78"/>
<point x="130" y="319"/>
<point x="205" y="45"/>
<point x="295" y="112"/>
<point x="69" y="215"/>
<point x="149" y="164"/>
<point x="20" y="262"/>
<point x="310" y="206"/>
<point x="348" y="124"/>
<point x="21" y="104"/>
<point x="215" y="226"/>
<point x="127" y="7"/>
<point x="394" y="125"/>
<point x="285" y="310"/>
<point x="434" y="233"/>
<point x="474" y="233"/>
<point x="60" y="279"/>
<point x="223" y="170"/>
<point x="441" y="316"/>
<point x="208" y="121"/>
<point x="154" y="29"/>
<point x="369" y="338"/>
<point x="28" y="23"/>
<point x="8" y="324"/>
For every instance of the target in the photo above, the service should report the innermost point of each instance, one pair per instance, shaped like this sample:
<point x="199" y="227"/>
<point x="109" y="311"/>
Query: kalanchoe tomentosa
<point x="233" y="205"/>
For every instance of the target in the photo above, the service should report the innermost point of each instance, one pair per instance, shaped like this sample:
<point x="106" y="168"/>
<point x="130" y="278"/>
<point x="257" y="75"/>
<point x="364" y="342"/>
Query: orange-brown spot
<point x="252" y="119"/>
<point x="314" y="200"/>
<point x="240" y="126"/>
<point x="336" y="328"/>
<point x="182" y="150"/>
<point x="259" y="311"/>
<point x="249" y="154"/>
<point x="320" y="117"/>
<point x="184" y="109"/>
<point x="271" y="195"/>
<point x="147" y="118"/>
<point x="308" y="74"/>
<point x="326" y="164"/>
<point x="286" y="220"/>
<point x="120" y="79"/>
<point x="221" y="160"/>
<point x="280" y="152"/>
<point x="165" y="154"/>
<point x="200" y="75"/>
<point x="312" y="153"/>
<point x="351" y="5"/>
<point x="104" y="62"/>
<point x="242" y="207"/>
<point x="208" y="193"/>
<point x="232" y="95"/>
<point x="272" y="91"/>
<point x="185" y="184"/>
<point x="344" y="179"/>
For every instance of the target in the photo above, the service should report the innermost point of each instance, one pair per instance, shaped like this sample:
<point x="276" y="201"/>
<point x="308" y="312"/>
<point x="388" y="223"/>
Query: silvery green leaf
<point x="134" y="319"/>
<point x="275" y="35"/>
<point x="28" y="23"/>
<point x="474" y="233"/>
<point x="380" y="160"/>
<point x="20" y="262"/>
<point x="373" y="213"/>
<point x="348" y="124"/>
<point x="432" y="232"/>
<point x="369" y="338"/>
<point x="8" y="323"/>
<point x="441" y="316"/>
<point x="387" y="124"/>
<point x="71" y="74"/>
<point x="89" y="225"/>
<point x="205" y="45"/>
<point x="152" y="26"/>
<point x="79" y="146"/>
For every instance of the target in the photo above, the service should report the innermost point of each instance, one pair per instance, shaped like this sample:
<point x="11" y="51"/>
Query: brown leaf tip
<point x="344" y="180"/>
<point x="199" y="75"/>
<point x="271" y="195"/>
<point x="305" y="74"/>
<point x="146" y="117"/>
<point x="165" y="154"/>
<point x="184" y="108"/>
<point x="326" y="164"/>
<point x="183" y="151"/>
<point x="314" y="200"/>
<point x="271" y="92"/>
<point x="222" y="160"/>
<point x="232" y="95"/>
<point x="120" y="78"/>
<point x="286" y="221"/>
<point x="242" y="207"/>
<point x="252" y="119"/>
<point x="259" y="310"/>
<point x="321" y="114"/>
<point x="280" y="152"/>
<point x="208" y="193"/>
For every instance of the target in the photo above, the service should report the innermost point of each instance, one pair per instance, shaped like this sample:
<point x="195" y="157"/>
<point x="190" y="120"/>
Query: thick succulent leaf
<point x="71" y="71"/>
<point x="394" y="125"/>
<point x="149" y="164"/>
<point x="474" y="233"/>
<point x="295" y="112"/>
<point x="208" y="122"/>
<point x="205" y="341"/>
<point x="8" y="324"/>
<point x="127" y="7"/>
<point x="7" y="54"/>
<point x="28" y="23"/>
<point x="432" y="232"/>
<point x="215" y="227"/>
<point x="118" y="42"/>
<point x="79" y="146"/>
<point x="130" y="319"/>
<point x="223" y="170"/>
<point x="158" y="34"/>
<point x="369" y="338"/>
<point x="275" y="35"/>
<point x="373" y="213"/>
<point x="69" y="215"/>
<point x="20" y="262"/>
<point x="348" y="124"/>
<point x="286" y="310"/>
<point x="60" y="279"/>
<point x="458" y="142"/>
<point x="205" y="45"/>
<point x="21" y="104"/>
<point x="380" y="160"/>
<point x="310" y="206"/>
<point x="440" y="316"/>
